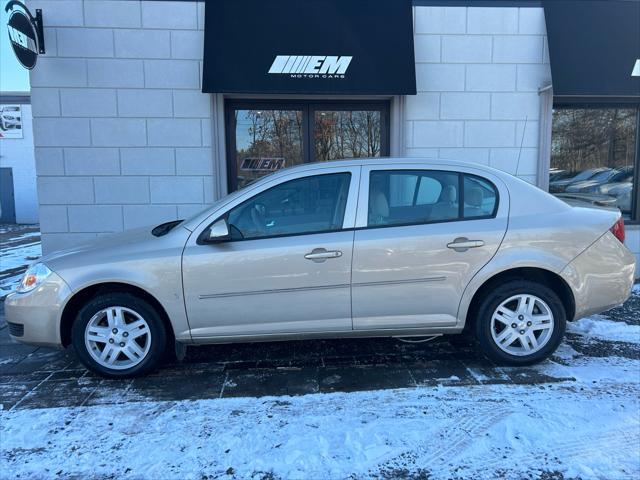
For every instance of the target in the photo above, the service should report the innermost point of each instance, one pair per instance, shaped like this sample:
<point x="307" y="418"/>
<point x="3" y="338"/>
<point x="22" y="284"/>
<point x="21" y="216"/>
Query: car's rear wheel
<point x="119" y="335"/>
<point x="520" y="323"/>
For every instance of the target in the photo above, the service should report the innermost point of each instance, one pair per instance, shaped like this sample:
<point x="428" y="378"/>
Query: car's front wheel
<point x="119" y="335"/>
<point x="520" y="323"/>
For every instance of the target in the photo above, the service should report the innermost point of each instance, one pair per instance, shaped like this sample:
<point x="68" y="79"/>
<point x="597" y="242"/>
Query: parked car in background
<point x="558" y="186"/>
<point x="362" y="248"/>
<point x="602" y="179"/>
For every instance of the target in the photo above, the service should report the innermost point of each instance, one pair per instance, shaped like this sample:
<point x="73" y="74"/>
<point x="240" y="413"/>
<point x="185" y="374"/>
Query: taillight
<point x="618" y="230"/>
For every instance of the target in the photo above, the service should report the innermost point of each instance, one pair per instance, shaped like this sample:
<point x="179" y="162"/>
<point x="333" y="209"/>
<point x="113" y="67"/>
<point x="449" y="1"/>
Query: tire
<point x="505" y="307"/>
<point x="127" y="327"/>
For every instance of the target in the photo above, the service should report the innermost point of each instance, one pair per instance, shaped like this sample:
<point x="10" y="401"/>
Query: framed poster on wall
<point x="10" y="121"/>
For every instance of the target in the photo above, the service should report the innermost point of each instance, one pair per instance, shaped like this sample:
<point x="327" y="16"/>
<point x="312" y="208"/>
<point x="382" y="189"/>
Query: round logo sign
<point x="23" y="38"/>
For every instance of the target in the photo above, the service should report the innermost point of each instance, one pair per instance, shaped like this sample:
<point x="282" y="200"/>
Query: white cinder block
<point x="91" y="161"/>
<point x="532" y="21"/>
<point x="65" y="190"/>
<point x="491" y="78"/>
<point x="466" y="49"/>
<point x="85" y="42"/>
<point x="440" y="77"/>
<point x="437" y="134"/>
<point x="147" y="161"/>
<point x="61" y="132"/>
<point x="192" y="103"/>
<point x="53" y="218"/>
<point x="465" y="105"/>
<point x="122" y="190"/>
<point x="88" y="102"/>
<point x="45" y="102"/>
<point x="440" y="19"/>
<point x="423" y="106"/>
<point x="208" y="189"/>
<point x="112" y="13"/>
<point x="59" y="13"/>
<point x="142" y="215"/>
<point x="172" y="74"/>
<point x="512" y="160"/>
<point x="95" y="218"/>
<point x="421" y="152"/>
<point x="186" y="211"/>
<point x="471" y="155"/>
<point x="531" y="133"/>
<point x="206" y="132"/>
<point x="49" y="161"/>
<point x="174" y="132"/>
<point x="489" y="134"/>
<point x="145" y="103"/>
<point x="175" y="14"/>
<point x="427" y="48"/>
<point x="201" y="8"/>
<point x="51" y="42"/>
<point x="515" y="106"/>
<point x="194" y="161"/>
<point x="517" y="49"/>
<point x="118" y="132"/>
<point x="119" y="73"/>
<point x="59" y="72"/>
<point x="142" y="43"/>
<point x="175" y="190"/>
<point x="493" y="20"/>
<point x="187" y="44"/>
<point x="532" y="77"/>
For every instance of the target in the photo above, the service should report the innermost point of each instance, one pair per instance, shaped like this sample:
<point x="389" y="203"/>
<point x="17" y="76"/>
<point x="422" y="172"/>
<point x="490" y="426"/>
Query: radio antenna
<point x="524" y="129"/>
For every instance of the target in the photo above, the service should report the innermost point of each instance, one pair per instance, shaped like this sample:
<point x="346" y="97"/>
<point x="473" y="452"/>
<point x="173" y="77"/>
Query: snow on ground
<point x="599" y="327"/>
<point x="19" y="251"/>
<point x="589" y="428"/>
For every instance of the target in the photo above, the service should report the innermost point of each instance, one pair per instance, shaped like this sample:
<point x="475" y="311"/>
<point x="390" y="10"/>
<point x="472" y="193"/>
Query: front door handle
<point x="462" y="244"/>
<point x="319" y="255"/>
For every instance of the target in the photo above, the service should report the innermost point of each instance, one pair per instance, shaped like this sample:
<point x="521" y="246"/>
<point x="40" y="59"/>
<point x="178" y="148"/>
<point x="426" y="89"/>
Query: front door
<point x="286" y="267"/>
<point x="424" y="235"/>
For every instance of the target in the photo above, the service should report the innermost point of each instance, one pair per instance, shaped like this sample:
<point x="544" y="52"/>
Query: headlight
<point x="34" y="276"/>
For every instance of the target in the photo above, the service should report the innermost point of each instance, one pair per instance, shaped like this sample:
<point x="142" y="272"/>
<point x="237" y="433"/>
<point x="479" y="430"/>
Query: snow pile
<point x="15" y="259"/>
<point x="589" y="428"/>
<point x="601" y="328"/>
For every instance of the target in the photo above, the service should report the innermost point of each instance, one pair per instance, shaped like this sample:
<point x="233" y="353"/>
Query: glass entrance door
<point x="263" y="137"/>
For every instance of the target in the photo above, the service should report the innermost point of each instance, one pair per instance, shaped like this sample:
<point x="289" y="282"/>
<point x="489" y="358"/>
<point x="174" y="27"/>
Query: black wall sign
<point x="309" y="47"/>
<point x="593" y="47"/>
<point x="25" y="33"/>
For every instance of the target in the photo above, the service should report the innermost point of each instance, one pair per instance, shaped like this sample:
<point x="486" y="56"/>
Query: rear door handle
<point x="462" y="244"/>
<point x="319" y="255"/>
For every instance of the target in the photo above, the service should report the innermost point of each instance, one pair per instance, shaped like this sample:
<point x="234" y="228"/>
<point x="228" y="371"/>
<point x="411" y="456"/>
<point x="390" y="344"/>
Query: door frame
<point x="308" y="107"/>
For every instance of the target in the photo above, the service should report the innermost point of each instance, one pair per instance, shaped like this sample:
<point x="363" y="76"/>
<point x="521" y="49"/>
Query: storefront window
<point x="263" y="137"/>
<point x="593" y="156"/>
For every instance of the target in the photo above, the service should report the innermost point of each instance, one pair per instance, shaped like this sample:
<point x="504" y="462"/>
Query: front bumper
<point x="37" y="314"/>
<point x="601" y="277"/>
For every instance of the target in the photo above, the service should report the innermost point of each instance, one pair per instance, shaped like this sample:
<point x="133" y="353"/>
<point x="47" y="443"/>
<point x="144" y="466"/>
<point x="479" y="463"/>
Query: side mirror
<point x="218" y="232"/>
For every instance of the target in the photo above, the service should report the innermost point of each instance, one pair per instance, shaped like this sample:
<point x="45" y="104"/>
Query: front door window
<point x="263" y="137"/>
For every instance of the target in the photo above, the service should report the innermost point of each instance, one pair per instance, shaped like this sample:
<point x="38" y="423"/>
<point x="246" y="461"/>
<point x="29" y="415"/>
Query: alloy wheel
<point x="117" y="338"/>
<point x="522" y="325"/>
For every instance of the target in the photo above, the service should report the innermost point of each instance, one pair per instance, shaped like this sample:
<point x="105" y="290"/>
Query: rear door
<point x="421" y="235"/>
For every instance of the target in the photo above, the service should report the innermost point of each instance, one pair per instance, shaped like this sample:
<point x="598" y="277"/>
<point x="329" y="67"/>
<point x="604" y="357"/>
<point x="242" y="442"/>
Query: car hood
<point x="119" y="247"/>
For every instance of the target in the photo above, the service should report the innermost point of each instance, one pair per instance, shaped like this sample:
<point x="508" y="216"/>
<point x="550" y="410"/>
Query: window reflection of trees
<point x="590" y="138"/>
<point x="347" y="134"/>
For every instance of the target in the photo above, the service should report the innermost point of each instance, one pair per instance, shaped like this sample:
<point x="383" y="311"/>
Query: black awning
<point x="309" y="47"/>
<point x="593" y="47"/>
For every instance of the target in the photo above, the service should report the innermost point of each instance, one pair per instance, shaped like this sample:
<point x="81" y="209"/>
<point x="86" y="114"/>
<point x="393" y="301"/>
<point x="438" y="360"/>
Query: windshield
<point x="586" y="175"/>
<point x="602" y="176"/>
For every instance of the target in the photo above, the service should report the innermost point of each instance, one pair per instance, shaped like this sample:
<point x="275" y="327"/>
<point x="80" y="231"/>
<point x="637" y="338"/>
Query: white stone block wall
<point x="121" y="128"/>
<point x="478" y="74"/>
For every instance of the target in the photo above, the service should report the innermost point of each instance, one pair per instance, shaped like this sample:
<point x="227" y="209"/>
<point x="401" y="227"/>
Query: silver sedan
<point x="361" y="248"/>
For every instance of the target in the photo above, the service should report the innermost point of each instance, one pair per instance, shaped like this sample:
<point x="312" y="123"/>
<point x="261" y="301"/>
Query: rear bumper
<point x="34" y="317"/>
<point x="601" y="277"/>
